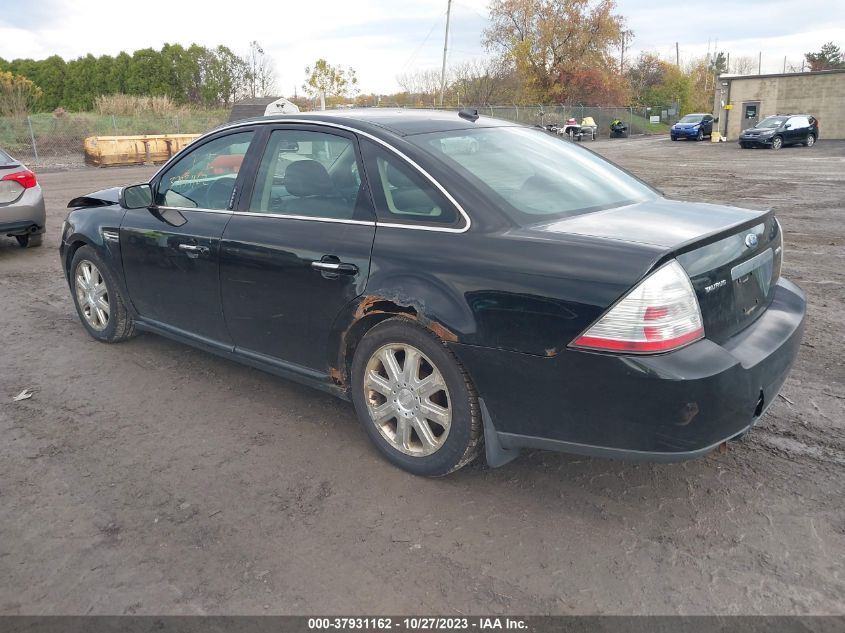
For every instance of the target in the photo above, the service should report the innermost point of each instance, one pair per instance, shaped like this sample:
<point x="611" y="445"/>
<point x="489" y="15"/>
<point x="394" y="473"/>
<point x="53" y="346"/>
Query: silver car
<point x="22" y="213"/>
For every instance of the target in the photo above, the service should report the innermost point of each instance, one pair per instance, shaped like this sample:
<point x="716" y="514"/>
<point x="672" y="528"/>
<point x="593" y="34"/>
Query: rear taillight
<point x="25" y="179"/>
<point x="660" y="314"/>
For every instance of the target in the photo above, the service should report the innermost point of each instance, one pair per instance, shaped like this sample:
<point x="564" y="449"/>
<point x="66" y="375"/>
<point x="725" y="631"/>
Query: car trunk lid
<point x="732" y="255"/>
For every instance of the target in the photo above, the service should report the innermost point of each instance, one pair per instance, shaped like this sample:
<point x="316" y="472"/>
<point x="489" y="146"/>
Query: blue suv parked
<point x="695" y="126"/>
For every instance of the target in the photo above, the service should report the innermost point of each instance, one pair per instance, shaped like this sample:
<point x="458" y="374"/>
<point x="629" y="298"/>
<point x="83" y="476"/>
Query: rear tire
<point x="399" y="404"/>
<point x="98" y="301"/>
<point x="811" y="140"/>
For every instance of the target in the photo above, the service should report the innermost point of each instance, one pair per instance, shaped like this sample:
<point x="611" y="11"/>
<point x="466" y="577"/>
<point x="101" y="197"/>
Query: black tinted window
<point x="535" y="175"/>
<point x="402" y="194"/>
<point x="205" y="177"/>
<point x="311" y="174"/>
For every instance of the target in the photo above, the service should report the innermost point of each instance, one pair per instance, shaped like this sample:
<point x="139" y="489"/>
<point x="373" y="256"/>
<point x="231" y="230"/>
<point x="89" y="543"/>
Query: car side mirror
<point x="786" y="126"/>
<point x="136" y="197"/>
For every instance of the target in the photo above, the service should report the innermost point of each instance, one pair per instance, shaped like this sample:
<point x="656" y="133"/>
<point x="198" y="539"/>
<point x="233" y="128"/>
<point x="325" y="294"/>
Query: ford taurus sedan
<point x="469" y="284"/>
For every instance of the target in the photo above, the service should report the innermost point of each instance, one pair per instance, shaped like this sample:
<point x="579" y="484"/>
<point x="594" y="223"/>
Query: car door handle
<point x="335" y="267"/>
<point x="194" y="250"/>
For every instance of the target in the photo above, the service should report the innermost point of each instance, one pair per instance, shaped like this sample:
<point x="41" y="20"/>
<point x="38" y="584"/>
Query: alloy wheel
<point x="92" y="295"/>
<point x="811" y="140"/>
<point x="407" y="399"/>
<point x="777" y="142"/>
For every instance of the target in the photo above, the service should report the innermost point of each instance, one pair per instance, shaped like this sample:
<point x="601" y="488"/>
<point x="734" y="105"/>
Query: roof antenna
<point x="470" y="114"/>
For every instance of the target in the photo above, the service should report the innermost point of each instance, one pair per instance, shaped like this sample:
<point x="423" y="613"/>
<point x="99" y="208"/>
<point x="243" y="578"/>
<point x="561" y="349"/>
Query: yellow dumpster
<point x="108" y="151"/>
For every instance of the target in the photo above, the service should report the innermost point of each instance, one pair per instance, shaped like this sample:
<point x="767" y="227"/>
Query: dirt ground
<point x="150" y="478"/>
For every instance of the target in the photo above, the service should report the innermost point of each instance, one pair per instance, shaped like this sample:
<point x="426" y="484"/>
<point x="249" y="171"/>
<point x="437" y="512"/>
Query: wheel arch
<point x="367" y="311"/>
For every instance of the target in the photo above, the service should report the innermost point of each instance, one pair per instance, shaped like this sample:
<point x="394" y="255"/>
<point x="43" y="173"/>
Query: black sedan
<point x="467" y="283"/>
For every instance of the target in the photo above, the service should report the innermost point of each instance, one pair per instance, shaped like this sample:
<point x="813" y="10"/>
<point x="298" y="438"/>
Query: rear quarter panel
<point x="501" y="290"/>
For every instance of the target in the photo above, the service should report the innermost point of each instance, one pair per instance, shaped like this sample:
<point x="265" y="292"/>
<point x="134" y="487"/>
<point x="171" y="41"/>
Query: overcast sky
<point x="383" y="38"/>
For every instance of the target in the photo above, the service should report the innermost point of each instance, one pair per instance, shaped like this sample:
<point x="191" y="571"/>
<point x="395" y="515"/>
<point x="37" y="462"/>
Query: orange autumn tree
<point x="562" y="50"/>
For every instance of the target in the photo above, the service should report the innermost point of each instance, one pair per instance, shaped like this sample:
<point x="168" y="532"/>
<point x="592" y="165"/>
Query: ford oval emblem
<point x="751" y="240"/>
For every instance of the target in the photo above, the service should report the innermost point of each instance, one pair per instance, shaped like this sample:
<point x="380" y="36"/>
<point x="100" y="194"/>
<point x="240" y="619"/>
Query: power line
<point x="423" y="43"/>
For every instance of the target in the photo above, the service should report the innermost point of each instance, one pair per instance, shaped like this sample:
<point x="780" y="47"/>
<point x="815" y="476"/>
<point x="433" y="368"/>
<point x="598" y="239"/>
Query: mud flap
<point x="496" y="454"/>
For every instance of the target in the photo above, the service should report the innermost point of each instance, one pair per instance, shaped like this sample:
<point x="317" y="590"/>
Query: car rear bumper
<point x="25" y="215"/>
<point x="668" y="407"/>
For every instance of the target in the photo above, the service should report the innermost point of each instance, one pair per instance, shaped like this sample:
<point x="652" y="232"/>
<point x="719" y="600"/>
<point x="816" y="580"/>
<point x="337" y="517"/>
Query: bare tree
<point x="744" y="65"/>
<point x="262" y="72"/>
<point x="423" y="84"/>
<point x="480" y="81"/>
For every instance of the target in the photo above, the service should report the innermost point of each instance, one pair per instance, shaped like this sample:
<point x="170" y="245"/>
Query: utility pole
<point x="784" y="64"/>
<point x="626" y="35"/>
<point x="677" y="55"/>
<point x="760" y="63"/>
<point x="445" y="48"/>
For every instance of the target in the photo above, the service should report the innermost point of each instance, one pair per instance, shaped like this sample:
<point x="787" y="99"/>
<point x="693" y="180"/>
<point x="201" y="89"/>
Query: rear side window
<point x="310" y="174"/>
<point x="799" y="122"/>
<point x="402" y="194"/>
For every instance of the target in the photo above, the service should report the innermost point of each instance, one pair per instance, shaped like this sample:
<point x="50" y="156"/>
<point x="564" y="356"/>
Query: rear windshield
<point x="5" y="159"/>
<point x="772" y="122"/>
<point x="692" y="118"/>
<point x="535" y="176"/>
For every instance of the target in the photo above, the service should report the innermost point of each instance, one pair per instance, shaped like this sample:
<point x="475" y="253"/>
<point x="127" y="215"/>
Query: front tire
<point x="777" y="143"/>
<point x="700" y="136"/>
<point x="99" y="304"/>
<point x="414" y="399"/>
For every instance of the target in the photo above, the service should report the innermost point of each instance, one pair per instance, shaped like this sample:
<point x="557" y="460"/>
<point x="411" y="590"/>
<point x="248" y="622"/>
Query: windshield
<point x="692" y="118"/>
<point x="534" y="175"/>
<point x="772" y="122"/>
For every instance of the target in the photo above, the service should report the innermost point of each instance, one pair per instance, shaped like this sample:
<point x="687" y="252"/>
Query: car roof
<point x="399" y="121"/>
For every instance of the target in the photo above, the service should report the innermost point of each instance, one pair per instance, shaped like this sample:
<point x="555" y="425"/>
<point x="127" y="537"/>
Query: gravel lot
<point x="149" y="478"/>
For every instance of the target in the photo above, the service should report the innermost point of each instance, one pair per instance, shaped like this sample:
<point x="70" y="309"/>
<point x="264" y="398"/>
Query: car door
<point x="171" y="252"/>
<point x="798" y="126"/>
<point x="297" y="249"/>
<point x="707" y="125"/>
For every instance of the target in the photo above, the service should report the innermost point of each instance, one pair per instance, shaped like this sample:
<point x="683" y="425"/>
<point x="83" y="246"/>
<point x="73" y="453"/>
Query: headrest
<point x="308" y="178"/>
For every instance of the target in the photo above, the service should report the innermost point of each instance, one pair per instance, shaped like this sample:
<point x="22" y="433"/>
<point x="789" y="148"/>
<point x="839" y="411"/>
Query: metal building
<point x="742" y="100"/>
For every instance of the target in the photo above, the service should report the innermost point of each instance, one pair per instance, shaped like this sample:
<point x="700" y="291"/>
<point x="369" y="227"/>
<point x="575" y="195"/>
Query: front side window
<point x="311" y="174"/>
<point x="205" y="177"/>
<point x="534" y="176"/>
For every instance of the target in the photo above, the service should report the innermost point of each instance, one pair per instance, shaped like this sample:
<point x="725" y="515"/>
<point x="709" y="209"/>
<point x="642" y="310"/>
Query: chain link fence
<point x="50" y="140"/>
<point x="47" y="140"/>
<point x="639" y="120"/>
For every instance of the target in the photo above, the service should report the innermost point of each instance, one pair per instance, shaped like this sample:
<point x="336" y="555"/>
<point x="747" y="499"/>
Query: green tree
<point x="719" y="64"/>
<point x="325" y="80"/>
<point x="18" y="95"/>
<point x="830" y="57"/>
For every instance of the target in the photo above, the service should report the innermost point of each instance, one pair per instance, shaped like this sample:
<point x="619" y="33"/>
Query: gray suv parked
<point x="780" y="130"/>
<point x="22" y="213"/>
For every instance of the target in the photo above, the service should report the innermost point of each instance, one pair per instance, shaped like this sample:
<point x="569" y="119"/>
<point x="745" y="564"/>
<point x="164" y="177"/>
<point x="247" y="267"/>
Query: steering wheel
<point x="217" y="194"/>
